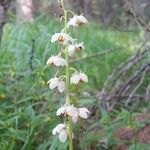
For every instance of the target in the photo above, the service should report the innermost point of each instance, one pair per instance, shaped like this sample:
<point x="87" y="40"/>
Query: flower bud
<point x="77" y="77"/>
<point x="56" y="83"/>
<point x="76" y="21"/>
<point x="56" y="60"/>
<point x="62" y="38"/>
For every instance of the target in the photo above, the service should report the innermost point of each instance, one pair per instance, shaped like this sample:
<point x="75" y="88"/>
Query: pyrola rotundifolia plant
<point x="69" y="47"/>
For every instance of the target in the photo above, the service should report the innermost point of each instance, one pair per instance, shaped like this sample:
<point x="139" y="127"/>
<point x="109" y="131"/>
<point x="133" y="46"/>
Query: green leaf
<point x="139" y="146"/>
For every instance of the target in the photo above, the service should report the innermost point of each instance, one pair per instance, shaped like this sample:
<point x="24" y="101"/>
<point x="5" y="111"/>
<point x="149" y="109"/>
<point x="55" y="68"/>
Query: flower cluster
<point x="69" y="47"/>
<point x="73" y="112"/>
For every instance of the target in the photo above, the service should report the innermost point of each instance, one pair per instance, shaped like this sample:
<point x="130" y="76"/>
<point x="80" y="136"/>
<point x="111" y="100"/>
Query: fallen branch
<point x="136" y="88"/>
<point x="138" y="74"/>
<point x="116" y="88"/>
<point x="109" y="85"/>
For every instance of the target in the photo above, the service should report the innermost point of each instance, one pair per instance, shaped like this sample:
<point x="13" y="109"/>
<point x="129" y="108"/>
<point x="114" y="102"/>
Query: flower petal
<point x="58" y="128"/>
<point x="75" y="118"/>
<point x="58" y="61"/>
<point x="71" y="110"/>
<point x="62" y="62"/>
<point x="81" y="20"/>
<point x="83" y="113"/>
<point x="71" y="50"/>
<point x="62" y="37"/>
<point x="55" y="37"/>
<point x="63" y="136"/>
<point x="60" y="111"/>
<point x="54" y="131"/>
<point x="50" y="60"/>
<point x="75" y="79"/>
<point x="77" y="20"/>
<point x="53" y="83"/>
<point x="84" y="77"/>
<point x="61" y="86"/>
<point x="72" y="22"/>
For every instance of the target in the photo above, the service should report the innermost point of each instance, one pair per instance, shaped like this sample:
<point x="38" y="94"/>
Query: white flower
<point x="81" y="112"/>
<point x="67" y="110"/>
<point x="56" y="60"/>
<point x="73" y="112"/>
<point x="62" y="37"/>
<point x="61" y="131"/>
<point x="56" y="83"/>
<point x="58" y="128"/>
<point x="77" y="20"/>
<point x="77" y="77"/>
<point x="74" y="47"/>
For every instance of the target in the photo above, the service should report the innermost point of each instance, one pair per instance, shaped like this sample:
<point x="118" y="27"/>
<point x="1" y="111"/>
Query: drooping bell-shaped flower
<point x="73" y="112"/>
<point x="56" y="83"/>
<point x="81" y="112"/>
<point x="74" y="47"/>
<point x="76" y="21"/>
<point x="61" y="131"/>
<point x="56" y="60"/>
<point x="66" y="110"/>
<point x="62" y="38"/>
<point x="77" y="77"/>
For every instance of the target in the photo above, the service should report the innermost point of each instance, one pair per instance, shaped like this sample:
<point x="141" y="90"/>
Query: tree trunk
<point x="4" y="4"/>
<point x="106" y="9"/>
<point x="87" y="6"/>
<point x="25" y="10"/>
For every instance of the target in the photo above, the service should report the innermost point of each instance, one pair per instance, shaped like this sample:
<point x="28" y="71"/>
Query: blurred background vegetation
<point x="116" y="31"/>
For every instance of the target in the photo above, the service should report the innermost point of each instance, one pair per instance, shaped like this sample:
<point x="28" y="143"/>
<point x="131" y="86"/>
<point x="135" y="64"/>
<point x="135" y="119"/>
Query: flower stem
<point x="70" y="135"/>
<point x="67" y="79"/>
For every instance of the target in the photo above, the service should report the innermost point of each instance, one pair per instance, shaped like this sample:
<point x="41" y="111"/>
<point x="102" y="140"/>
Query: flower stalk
<point x="69" y="46"/>
<point x="67" y="80"/>
<point x="70" y="134"/>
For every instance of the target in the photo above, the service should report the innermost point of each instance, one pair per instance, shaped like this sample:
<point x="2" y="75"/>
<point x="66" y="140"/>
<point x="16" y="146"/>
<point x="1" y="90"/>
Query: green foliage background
<point x="27" y="106"/>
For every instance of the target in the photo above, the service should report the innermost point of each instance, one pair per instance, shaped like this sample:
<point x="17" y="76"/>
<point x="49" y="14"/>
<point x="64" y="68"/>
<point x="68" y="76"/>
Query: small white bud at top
<point x="77" y="77"/>
<point x="62" y="38"/>
<point x="56" y="83"/>
<point x="56" y="60"/>
<point x="76" y="21"/>
<point x="74" y="47"/>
